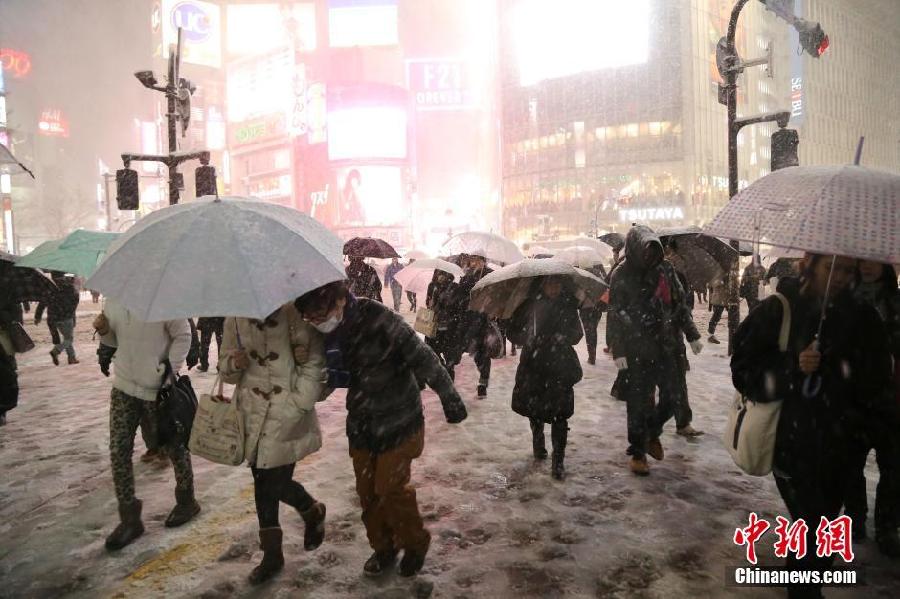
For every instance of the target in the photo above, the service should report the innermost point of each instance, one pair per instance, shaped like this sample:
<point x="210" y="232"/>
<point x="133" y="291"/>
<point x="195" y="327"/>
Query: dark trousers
<point x="396" y="295"/>
<point x="559" y="432"/>
<point x="590" y="320"/>
<point x="274" y="485"/>
<point x="206" y="336"/>
<point x="681" y="407"/>
<point x="734" y="319"/>
<point x="887" y="493"/>
<point x="810" y="497"/>
<point x="412" y="300"/>
<point x="483" y="363"/>
<point x="645" y="420"/>
<point x="9" y="383"/>
<point x="54" y="332"/>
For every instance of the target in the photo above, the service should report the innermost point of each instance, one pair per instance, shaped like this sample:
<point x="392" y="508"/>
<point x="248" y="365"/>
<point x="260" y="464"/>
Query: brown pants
<point x="390" y="512"/>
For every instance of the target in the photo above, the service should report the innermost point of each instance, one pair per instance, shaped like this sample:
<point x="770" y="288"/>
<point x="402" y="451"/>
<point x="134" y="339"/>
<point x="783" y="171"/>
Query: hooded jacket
<point x="648" y="308"/>
<point x="364" y="281"/>
<point x="855" y="370"/>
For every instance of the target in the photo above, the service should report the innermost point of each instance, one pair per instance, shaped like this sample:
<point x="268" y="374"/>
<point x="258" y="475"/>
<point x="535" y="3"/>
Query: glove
<point x="621" y="363"/>
<point x="456" y="413"/>
<point x="696" y="347"/>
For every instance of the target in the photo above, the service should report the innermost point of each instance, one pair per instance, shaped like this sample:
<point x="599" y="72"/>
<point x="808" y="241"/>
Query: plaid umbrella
<point x="24" y="284"/>
<point x="832" y="210"/>
<point x="370" y="247"/>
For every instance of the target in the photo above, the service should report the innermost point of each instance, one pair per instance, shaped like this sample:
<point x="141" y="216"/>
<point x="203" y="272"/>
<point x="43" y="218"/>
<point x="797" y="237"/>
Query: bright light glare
<point x="376" y="190"/>
<point x="260" y="28"/>
<point x="563" y="37"/>
<point x="362" y="23"/>
<point x="263" y="87"/>
<point x="367" y="132"/>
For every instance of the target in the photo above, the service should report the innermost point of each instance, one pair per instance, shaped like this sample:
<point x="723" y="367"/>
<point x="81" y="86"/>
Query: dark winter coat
<point x="549" y="367"/>
<point x="647" y="304"/>
<point x="884" y="296"/>
<point x="856" y="376"/>
<point x="211" y="323"/>
<point x="753" y="274"/>
<point x="449" y="312"/>
<point x="473" y="325"/>
<point x="388" y="365"/>
<point x="364" y="281"/>
<point x="62" y="304"/>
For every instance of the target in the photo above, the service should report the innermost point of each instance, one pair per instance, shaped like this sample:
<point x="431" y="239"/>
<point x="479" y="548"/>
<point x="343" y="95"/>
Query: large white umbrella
<point x="832" y="210"/>
<point x="416" y="255"/>
<point x="228" y="257"/>
<point x="416" y="277"/>
<point x="584" y="256"/>
<point x="501" y="292"/>
<point x="491" y="246"/>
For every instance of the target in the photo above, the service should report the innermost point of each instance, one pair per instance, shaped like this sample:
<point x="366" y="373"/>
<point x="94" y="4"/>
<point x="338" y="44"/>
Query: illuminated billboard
<point x="565" y="37"/>
<point x="201" y="24"/>
<point x="362" y="23"/>
<point x="367" y="132"/>
<point x="261" y="87"/>
<point x="255" y="29"/>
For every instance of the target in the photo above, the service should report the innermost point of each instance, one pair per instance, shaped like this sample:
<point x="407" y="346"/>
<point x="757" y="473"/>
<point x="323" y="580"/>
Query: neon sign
<point x="15" y="61"/>
<point x="53" y="124"/>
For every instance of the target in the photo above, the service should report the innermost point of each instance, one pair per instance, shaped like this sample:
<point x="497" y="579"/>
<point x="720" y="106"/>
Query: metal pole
<point x="106" y="177"/>
<point x="731" y="101"/>
<point x="172" y="117"/>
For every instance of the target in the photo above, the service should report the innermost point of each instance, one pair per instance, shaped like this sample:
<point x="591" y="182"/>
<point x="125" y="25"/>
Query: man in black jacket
<point x="474" y="325"/>
<point x="364" y="281"/>
<point x="61" y="309"/>
<point x="647" y="309"/>
<point x="371" y="351"/>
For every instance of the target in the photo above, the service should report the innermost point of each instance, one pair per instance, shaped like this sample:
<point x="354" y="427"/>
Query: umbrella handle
<point x="237" y="334"/>
<point x="812" y="385"/>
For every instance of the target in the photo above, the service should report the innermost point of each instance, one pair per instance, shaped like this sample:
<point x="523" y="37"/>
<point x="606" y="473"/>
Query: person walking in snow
<point x="546" y="325"/>
<point x="851" y="361"/>
<point x="590" y="318"/>
<point x="443" y="298"/>
<point x="371" y="351"/>
<point x="143" y="350"/>
<point x="724" y="297"/>
<point x="877" y="287"/>
<point x="61" y="309"/>
<point x="10" y="313"/>
<point x="389" y="281"/>
<point x="647" y="307"/>
<point x="474" y="326"/>
<point x="277" y="366"/>
<point x="209" y="326"/>
<point x="750" y="280"/>
<point x="364" y="281"/>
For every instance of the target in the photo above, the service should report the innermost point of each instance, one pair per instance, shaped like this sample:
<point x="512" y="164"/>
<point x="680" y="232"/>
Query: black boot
<point x="414" y="559"/>
<point x="379" y="562"/>
<point x="592" y="356"/>
<point x="186" y="507"/>
<point x="273" y="559"/>
<point x="559" y="432"/>
<point x="130" y="526"/>
<point x="314" y="519"/>
<point x="537" y="440"/>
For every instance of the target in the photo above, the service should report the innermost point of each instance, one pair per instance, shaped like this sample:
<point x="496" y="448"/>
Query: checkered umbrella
<point x="832" y="210"/>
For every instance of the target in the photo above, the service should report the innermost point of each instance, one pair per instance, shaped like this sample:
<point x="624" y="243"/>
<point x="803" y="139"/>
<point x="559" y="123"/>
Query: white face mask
<point x="329" y="325"/>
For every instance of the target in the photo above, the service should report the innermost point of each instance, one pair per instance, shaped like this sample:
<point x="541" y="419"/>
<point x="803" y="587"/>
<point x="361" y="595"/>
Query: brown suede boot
<point x="414" y="559"/>
<point x="186" y="507"/>
<point x="655" y="449"/>
<point x="639" y="466"/>
<point x="130" y="526"/>
<point x="314" y="519"/>
<point x="273" y="559"/>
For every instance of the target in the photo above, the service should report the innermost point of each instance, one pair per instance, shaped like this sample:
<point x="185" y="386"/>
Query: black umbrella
<point x="783" y="267"/>
<point x="702" y="258"/>
<point x="370" y="247"/>
<point x="24" y="284"/>
<point x="614" y="240"/>
<point x="6" y="257"/>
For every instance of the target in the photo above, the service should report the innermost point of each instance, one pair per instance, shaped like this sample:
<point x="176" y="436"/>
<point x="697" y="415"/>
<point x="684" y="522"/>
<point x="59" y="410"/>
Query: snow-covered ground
<point x="502" y="527"/>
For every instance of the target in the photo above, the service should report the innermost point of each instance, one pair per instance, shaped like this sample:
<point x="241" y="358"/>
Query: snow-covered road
<point x="502" y="527"/>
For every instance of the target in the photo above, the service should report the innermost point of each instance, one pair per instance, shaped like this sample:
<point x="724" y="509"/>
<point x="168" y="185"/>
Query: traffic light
<point x="127" y="191"/>
<point x="812" y="38"/>
<point x="784" y="149"/>
<point x="205" y="180"/>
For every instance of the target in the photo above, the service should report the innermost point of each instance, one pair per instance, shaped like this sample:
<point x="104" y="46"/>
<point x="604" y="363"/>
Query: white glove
<point x="621" y="363"/>
<point x="696" y="347"/>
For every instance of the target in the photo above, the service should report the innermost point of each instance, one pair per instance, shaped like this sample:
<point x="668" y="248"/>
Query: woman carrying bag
<point x="546" y="326"/>
<point x="277" y="367"/>
<point x="827" y="385"/>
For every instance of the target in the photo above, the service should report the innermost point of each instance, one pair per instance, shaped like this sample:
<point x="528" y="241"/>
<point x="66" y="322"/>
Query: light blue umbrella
<point x="223" y="257"/>
<point x="79" y="253"/>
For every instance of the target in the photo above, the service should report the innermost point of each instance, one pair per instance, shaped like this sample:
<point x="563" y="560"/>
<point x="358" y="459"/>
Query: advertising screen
<point x="260" y="87"/>
<point x="369" y="195"/>
<point x="255" y="29"/>
<point x="367" y="132"/>
<point x="201" y="24"/>
<point x="362" y="23"/>
<point x="565" y="37"/>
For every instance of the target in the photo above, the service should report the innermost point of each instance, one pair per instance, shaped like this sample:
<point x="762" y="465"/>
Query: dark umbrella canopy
<point x="7" y="257"/>
<point x="24" y="284"/>
<point x="614" y="240"/>
<point x="702" y="258"/>
<point x="783" y="267"/>
<point x="370" y="247"/>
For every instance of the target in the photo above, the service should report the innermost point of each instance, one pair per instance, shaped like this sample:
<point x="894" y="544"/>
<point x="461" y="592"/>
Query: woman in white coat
<point x="277" y="365"/>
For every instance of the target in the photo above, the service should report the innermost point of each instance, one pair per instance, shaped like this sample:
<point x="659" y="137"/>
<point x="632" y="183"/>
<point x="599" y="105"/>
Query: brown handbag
<point x="19" y="338"/>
